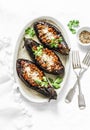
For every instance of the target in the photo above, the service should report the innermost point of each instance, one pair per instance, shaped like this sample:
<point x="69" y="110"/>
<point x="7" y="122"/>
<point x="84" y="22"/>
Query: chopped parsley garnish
<point x="56" y="83"/>
<point x="72" y="25"/>
<point x="38" y="52"/>
<point x="43" y="82"/>
<point x="55" y="42"/>
<point x="30" y="32"/>
<point x="60" y="39"/>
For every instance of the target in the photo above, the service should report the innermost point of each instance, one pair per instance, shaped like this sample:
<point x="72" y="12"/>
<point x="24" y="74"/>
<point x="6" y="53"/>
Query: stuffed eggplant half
<point x="44" y="58"/>
<point x="51" y="37"/>
<point x="34" y="78"/>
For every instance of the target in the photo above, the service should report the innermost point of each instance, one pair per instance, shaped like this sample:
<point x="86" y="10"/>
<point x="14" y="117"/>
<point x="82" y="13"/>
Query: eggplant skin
<point x="48" y="91"/>
<point x="63" y="46"/>
<point x="29" y="43"/>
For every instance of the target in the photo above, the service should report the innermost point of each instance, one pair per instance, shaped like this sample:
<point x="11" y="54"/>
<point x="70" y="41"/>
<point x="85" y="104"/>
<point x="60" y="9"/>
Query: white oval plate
<point x="20" y="52"/>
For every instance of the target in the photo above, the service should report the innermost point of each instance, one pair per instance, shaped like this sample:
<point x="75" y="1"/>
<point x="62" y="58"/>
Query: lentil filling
<point x="46" y="33"/>
<point x="48" y="59"/>
<point x="32" y="74"/>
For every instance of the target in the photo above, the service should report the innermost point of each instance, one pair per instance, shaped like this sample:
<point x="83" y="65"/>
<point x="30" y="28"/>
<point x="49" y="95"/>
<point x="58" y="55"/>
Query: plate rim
<point x="16" y="53"/>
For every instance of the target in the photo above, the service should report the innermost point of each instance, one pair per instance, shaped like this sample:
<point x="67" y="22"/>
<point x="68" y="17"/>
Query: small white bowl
<point x="78" y="33"/>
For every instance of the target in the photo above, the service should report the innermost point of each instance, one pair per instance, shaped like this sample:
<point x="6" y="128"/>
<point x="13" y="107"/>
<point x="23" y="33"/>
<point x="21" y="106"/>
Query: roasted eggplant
<point x="34" y="78"/>
<point x="44" y="58"/>
<point x="51" y="37"/>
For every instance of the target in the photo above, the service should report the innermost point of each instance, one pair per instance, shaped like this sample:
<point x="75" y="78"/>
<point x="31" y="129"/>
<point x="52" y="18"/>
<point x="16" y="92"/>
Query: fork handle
<point x="81" y="101"/>
<point x="70" y="94"/>
<point x="72" y="91"/>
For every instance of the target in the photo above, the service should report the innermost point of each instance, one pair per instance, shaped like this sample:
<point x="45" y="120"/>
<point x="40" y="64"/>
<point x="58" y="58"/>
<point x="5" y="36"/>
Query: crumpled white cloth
<point x="14" y="115"/>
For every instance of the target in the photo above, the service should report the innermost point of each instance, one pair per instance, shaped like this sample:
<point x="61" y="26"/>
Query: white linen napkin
<point x="14" y="115"/>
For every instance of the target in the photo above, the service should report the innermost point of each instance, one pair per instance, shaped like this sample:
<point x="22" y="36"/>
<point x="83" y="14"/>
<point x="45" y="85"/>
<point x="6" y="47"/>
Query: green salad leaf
<point x="43" y="82"/>
<point x="56" y="83"/>
<point x="72" y="25"/>
<point x="75" y="23"/>
<point x="30" y="32"/>
<point x="55" y="42"/>
<point x="58" y="80"/>
<point x="38" y="52"/>
<point x="60" y="39"/>
<point x="73" y="31"/>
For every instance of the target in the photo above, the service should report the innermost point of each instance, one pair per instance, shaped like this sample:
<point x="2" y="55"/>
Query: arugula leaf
<point x="30" y="32"/>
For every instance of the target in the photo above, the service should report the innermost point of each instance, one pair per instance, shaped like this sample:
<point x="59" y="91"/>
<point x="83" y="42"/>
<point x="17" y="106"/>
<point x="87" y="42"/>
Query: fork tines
<point x="76" y="59"/>
<point x="86" y="60"/>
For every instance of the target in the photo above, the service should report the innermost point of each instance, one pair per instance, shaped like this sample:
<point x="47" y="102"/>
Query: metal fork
<point x="78" y="71"/>
<point x="77" y="68"/>
<point x="85" y="64"/>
